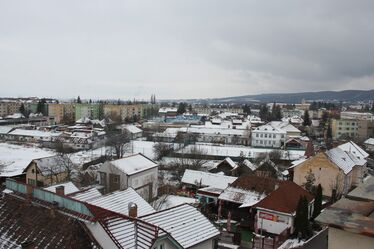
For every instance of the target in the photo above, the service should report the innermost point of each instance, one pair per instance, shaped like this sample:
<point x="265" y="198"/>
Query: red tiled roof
<point x="21" y="221"/>
<point x="285" y="198"/>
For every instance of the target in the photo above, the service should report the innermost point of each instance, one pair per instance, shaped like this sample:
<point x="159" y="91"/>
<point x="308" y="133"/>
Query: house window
<point x="116" y="179"/>
<point x="33" y="171"/>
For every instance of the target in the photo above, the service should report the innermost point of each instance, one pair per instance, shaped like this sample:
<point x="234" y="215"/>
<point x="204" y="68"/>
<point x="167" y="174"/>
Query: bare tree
<point x="64" y="158"/>
<point x="195" y="159"/>
<point x="118" y="142"/>
<point x="162" y="149"/>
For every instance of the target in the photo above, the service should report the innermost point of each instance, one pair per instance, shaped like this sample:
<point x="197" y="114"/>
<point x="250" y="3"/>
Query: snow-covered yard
<point x="15" y="158"/>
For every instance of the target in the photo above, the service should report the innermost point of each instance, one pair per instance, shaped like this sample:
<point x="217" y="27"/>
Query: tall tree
<point x="181" y="108"/>
<point x="247" y="109"/>
<point x="118" y="142"/>
<point x="22" y="110"/>
<point x="264" y="112"/>
<point x="41" y="107"/>
<point x="307" y="121"/>
<point x="317" y="201"/>
<point x="276" y="112"/>
<point x="301" y="223"/>
<point x="79" y="101"/>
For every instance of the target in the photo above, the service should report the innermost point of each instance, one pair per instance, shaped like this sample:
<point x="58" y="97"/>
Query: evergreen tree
<point x="247" y="109"/>
<point x="264" y="112"/>
<point x="329" y="131"/>
<point x="301" y="223"/>
<point x="22" y="110"/>
<point x="317" y="201"/>
<point x="181" y="108"/>
<point x="79" y="100"/>
<point x="307" y="121"/>
<point x="41" y="106"/>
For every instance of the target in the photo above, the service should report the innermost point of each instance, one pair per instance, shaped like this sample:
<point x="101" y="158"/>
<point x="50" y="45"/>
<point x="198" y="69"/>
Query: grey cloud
<point x="176" y="49"/>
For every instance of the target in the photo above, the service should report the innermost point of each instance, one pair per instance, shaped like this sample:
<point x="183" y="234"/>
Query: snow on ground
<point x="292" y="243"/>
<point x="144" y="147"/>
<point x="165" y="202"/>
<point x="86" y="156"/>
<point x="15" y="158"/>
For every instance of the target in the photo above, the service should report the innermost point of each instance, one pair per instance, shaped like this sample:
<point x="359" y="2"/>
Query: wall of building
<point x="338" y="239"/>
<point x="344" y="127"/>
<point x="326" y="173"/>
<point x="140" y="182"/>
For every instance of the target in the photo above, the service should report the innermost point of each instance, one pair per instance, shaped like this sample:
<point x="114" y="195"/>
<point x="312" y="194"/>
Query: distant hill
<point x="331" y="96"/>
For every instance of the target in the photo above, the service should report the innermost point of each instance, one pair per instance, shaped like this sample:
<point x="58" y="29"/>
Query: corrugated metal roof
<point x="118" y="202"/>
<point x="341" y="159"/>
<point x="86" y="195"/>
<point x="185" y="224"/>
<point x="354" y="149"/>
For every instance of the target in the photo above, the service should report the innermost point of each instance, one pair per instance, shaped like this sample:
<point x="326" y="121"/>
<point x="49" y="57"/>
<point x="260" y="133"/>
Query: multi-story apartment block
<point x="357" y="115"/>
<point x="57" y="111"/>
<point x="9" y="107"/>
<point x="88" y="110"/>
<point x="365" y="129"/>
<point x="345" y="128"/>
<point x="123" y="112"/>
<point x="287" y="113"/>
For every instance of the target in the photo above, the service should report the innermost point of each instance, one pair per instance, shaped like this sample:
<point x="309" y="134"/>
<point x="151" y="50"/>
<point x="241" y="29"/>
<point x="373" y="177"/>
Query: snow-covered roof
<point x="354" y="149"/>
<point x="134" y="164"/>
<point x="185" y="224"/>
<point x="118" y="202"/>
<point x="369" y="141"/>
<point x="52" y="164"/>
<point x="167" y="109"/>
<point x="239" y="151"/>
<point x="205" y="179"/>
<point x="284" y="126"/>
<point x="341" y="159"/>
<point x="250" y="165"/>
<point x="216" y="121"/>
<point x="133" y="129"/>
<point x="269" y="129"/>
<point x="214" y="131"/>
<point x="241" y="196"/>
<point x="230" y="162"/>
<point x="86" y="195"/>
<point x="5" y="129"/>
<point x="34" y="133"/>
<point x="69" y="188"/>
<point x="15" y="115"/>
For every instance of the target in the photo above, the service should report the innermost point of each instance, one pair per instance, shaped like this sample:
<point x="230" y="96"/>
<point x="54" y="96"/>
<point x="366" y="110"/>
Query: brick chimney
<point x="60" y="190"/>
<point x="53" y="209"/>
<point x="133" y="210"/>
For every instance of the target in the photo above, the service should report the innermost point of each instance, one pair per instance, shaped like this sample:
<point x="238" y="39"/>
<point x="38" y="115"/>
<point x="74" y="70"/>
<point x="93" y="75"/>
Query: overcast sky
<point x="184" y="49"/>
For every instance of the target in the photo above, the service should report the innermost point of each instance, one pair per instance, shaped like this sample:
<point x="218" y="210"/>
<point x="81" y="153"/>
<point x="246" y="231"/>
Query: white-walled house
<point x="268" y="136"/>
<point x="136" y="171"/>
